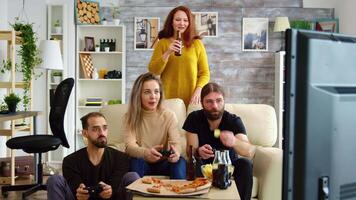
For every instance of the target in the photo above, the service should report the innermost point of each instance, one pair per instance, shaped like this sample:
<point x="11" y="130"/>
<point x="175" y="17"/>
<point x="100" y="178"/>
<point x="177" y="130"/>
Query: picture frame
<point x="146" y="32"/>
<point x="326" y="25"/>
<point x="254" y="34"/>
<point x="87" y="12"/>
<point x="206" y="23"/>
<point x="89" y="43"/>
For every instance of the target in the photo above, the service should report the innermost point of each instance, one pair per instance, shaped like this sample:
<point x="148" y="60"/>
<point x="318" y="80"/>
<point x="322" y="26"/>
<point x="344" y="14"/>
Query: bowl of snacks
<point x="207" y="171"/>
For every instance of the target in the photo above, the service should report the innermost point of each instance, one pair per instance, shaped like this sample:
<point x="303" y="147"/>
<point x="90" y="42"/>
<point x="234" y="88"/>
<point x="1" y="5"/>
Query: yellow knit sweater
<point x="181" y="75"/>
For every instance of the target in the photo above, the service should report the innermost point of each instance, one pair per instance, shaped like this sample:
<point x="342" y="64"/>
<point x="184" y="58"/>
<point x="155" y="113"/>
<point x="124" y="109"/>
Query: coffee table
<point x="230" y="193"/>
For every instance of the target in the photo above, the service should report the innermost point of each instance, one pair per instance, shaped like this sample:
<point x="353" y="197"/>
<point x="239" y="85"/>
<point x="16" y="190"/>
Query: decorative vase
<point x="58" y="29"/>
<point x="56" y="79"/>
<point x="97" y="49"/>
<point x="116" y="22"/>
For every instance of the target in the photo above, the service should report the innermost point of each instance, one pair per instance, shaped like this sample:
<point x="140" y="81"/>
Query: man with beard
<point x="200" y="126"/>
<point x="93" y="166"/>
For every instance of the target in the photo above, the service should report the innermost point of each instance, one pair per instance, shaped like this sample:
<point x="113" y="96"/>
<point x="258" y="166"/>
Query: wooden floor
<point x="40" y="195"/>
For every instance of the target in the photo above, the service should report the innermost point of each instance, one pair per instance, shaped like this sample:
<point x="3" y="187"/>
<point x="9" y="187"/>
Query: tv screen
<point x="319" y="160"/>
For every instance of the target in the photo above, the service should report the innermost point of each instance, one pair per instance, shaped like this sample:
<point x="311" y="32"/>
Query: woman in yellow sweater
<point x="182" y="76"/>
<point x="150" y="128"/>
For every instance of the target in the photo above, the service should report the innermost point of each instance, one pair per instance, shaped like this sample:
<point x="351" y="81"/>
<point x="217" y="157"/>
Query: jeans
<point x="243" y="177"/>
<point x="173" y="170"/>
<point x="58" y="188"/>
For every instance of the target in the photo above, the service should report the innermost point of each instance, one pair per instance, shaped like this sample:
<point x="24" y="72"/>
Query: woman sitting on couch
<point x="151" y="135"/>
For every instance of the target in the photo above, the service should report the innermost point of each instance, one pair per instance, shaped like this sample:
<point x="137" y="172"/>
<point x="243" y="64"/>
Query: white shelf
<point x="101" y="52"/>
<point x="107" y="89"/>
<point x="103" y="80"/>
<point x="90" y="107"/>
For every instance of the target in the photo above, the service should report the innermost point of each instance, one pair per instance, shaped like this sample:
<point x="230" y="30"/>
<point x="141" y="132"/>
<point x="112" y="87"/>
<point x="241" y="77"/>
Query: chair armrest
<point x="267" y="167"/>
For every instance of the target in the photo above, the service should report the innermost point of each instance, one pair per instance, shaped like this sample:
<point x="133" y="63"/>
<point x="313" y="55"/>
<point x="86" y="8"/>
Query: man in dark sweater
<point x="97" y="166"/>
<point x="200" y="126"/>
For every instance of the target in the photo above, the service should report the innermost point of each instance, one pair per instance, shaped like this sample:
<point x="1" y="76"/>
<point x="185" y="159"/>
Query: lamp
<point x="50" y="54"/>
<point x="280" y="25"/>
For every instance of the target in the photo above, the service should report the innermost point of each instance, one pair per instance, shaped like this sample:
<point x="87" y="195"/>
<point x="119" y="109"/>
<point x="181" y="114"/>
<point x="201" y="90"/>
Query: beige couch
<point x="261" y="126"/>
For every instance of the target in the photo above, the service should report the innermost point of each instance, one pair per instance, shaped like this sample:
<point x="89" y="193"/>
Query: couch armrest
<point x="267" y="167"/>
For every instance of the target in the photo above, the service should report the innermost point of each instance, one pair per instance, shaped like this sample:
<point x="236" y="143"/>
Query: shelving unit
<point x="56" y="12"/>
<point x="107" y="89"/>
<point x="278" y="94"/>
<point x="13" y="39"/>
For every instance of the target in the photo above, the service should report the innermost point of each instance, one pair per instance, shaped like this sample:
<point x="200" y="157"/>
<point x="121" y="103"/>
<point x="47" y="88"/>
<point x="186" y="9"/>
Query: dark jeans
<point x="173" y="170"/>
<point x="243" y="177"/>
<point x="58" y="188"/>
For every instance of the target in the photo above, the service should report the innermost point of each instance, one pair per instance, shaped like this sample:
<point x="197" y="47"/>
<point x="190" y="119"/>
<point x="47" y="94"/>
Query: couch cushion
<point x="115" y="118"/>
<point x="259" y="120"/>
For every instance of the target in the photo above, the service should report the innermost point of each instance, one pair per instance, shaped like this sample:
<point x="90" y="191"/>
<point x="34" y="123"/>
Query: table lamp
<point x="280" y="25"/>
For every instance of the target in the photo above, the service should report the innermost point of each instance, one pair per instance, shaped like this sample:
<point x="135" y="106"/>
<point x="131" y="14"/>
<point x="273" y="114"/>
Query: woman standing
<point x="182" y="76"/>
<point x="151" y="129"/>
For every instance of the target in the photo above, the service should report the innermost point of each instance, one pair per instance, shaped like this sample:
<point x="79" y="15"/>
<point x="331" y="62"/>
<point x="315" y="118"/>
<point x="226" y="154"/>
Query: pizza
<point x="189" y="187"/>
<point x="179" y="187"/>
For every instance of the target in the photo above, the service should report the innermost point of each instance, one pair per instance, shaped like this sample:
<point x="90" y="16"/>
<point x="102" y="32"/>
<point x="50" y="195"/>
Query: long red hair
<point x="190" y="33"/>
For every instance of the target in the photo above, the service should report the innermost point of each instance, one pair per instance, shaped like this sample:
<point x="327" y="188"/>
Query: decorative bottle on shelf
<point x="179" y="38"/>
<point x="95" y="74"/>
<point x="191" y="165"/>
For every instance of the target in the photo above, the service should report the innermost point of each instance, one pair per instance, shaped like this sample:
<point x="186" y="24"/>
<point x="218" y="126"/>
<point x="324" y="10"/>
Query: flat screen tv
<point x="319" y="160"/>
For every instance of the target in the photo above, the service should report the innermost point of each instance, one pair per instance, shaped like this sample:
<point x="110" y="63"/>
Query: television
<point x="319" y="132"/>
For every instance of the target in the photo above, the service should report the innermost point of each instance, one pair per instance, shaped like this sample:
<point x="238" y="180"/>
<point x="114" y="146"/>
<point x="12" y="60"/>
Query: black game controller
<point x="166" y="153"/>
<point x="94" y="191"/>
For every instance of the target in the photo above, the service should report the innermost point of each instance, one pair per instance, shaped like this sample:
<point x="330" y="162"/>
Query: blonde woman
<point x="152" y="132"/>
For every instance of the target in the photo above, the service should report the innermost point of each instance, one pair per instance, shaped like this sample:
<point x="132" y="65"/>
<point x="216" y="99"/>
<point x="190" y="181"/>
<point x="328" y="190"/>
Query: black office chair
<point x="43" y="143"/>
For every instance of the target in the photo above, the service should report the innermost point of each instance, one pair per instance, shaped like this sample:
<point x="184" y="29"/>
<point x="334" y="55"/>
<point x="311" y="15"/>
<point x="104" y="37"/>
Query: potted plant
<point x="56" y="76"/>
<point x="29" y="54"/>
<point x="57" y="26"/>
<point x="11" y="101"/>
<point x="115" y="15"/>
<point x="97" y="48"/>
<point x="104" y="22"/>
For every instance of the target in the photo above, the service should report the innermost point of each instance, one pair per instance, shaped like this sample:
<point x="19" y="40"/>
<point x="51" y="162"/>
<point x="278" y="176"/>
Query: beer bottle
<point x="179" y="38"/>
<point x="191" y="166"/>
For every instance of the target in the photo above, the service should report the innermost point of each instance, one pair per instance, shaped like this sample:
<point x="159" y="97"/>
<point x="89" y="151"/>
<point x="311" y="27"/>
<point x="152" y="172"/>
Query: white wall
<point x="344" y="10"/>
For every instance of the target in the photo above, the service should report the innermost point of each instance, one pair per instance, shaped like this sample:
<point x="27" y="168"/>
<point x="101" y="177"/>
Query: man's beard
<point x="99" y="143"/>
<point x="213" y="114"/>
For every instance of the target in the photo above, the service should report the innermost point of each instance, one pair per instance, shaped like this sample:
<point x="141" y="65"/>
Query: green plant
<point x="97" y="45"/>
<point x="114" y="101"/>
<point x="301" y="24"/>
<point x="29" y="54"/>
<point x="56" y="73"/>
<point x="57" y="23"/>
<point x="115" y="11"/>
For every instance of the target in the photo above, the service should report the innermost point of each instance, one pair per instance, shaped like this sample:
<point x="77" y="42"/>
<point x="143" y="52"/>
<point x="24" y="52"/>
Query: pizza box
<point x="139" y="187"/>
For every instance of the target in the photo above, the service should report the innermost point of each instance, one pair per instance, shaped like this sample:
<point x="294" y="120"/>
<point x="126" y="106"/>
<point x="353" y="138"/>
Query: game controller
<point x="94" y="191"/>
<point x="166" y="153"/>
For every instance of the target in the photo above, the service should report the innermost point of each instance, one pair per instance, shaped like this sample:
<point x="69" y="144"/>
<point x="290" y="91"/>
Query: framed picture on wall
<point x="254" y="34"/>
<point x="206" y="23"/>
<point x="146" y="32"/>
<point x="327" y="25"/>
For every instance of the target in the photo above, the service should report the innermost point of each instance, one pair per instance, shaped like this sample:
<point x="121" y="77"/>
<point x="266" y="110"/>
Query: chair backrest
<point x="259" y="119"/>
<point x="59" y="103"/>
